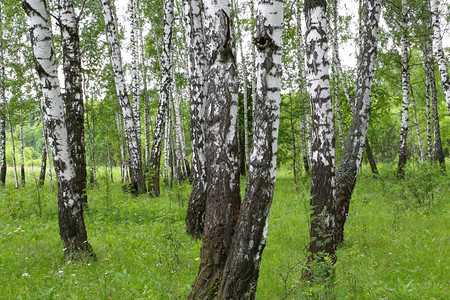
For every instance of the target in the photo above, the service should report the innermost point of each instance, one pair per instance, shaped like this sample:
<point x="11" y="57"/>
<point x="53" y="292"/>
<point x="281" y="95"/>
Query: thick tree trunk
<point x="439" y="51"/>
<point x="70" y="207"/>
<point x="221" y="149"/>
<point x="195" y="214"/>
<point x="241" y="271"/>
<point x="134" y="146"/>
<point x="323" y="150"/>
<point x="123" y="154"/>
<point x="405" y="93"/>
<point x="163" y="107"/>
<point x="347" y="170"/>
<point x="73" y="95"/>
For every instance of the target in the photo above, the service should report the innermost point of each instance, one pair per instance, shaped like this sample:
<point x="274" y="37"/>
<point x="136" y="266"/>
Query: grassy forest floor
<point x="397" y="242"/>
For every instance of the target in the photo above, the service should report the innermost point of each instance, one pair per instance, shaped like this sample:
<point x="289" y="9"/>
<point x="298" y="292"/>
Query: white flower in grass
<point x="26" y="275"/>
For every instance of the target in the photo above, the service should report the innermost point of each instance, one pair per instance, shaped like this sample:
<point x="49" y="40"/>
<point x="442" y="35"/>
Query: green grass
<point x="397" y="243"/>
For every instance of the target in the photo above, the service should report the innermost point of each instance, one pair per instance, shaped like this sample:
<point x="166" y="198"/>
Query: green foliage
<point x="394" y="247"/>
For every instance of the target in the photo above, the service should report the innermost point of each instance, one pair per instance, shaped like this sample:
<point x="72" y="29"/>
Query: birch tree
<point x="241" y="271"/>
<point x="135" y="82"/>
<point x="3" y="166"/>
<point x="195" y="214"/>
<point x="357" y="135"/>
<point x="323" y="149"/>
<point x="163" y="106"/>
<point x="439" y="51"/>
<point x="221" y="148"/>
<point x="405" y="92"/>
<point x="73" y="95"/>
<point x="134" y="145"/>
<point x="70" y="207"/>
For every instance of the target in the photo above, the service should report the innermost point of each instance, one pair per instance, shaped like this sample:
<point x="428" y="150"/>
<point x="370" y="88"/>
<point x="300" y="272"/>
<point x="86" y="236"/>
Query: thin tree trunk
<point x="164" y="93"/>
<point x="240" y="276"/>
<point x="91" y="130"/>
<point x="347" y="170"/>
<point x="167" y="161"/>
<point x="13" y="148"/>
<point x="50" y="173"/>
<point x="322" y="241"/>
<point x="73" y="96"/>
<point x="70" y="207"/>
<point x="3" y="165"/>
<point x="428" y="112"/>
<point x="137" y="185"/>
<point x="416" y="123"/>
<point x="123" y="155"/>
<point x="135" y="82"/>
<point x="439" y="51"/>
<point x="304" y="97"/>
<point x="294" y="143"/>
<point x="22" y="146"/>
<point x="370" y="158"/>
<point x="405" y="93"/>
<point x="195" y="215"/>
<point x="43" y="157"/>
<point x="221" y="149"/>
<point x="438" y="153"/>
<point x="336" y="103"/>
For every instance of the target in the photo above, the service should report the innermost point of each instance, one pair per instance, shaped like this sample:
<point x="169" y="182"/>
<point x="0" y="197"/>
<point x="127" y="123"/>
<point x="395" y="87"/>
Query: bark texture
<point x="134" y="145"/>
<point x="3" y="166"/>
<point x="135" y="80"/>
<point x="70" y="207"/>
<point x="323" y="149"/>
<point x="195" y="214"/>
<point x="163" y="106"/>
<point x="356" y="138"/>
<point x="221" y="149"/>
<point x="241" y="271"/>
<point x="73" y="95"/>
<point x="439" y="50"/>
<point x="405" y="93"/>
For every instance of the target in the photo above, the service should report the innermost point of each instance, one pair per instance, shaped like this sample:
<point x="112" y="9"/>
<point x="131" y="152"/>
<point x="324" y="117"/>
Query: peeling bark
<point x="241" y="272"/>
<point x="195" y="214"/>
<point x="73" y="95"/>
<point x="221" y="149"/>
<point x="134" y="146"/>
<point x="70" y="207"/>
<point x="347" y="170"/>
<point x="323" y="150"/>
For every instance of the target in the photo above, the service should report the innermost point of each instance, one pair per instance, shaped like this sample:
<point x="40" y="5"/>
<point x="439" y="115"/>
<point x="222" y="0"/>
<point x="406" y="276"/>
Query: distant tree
<point x="70" y="207"/>
<point x="3" y="166"/>
<point x="134" y="146"/>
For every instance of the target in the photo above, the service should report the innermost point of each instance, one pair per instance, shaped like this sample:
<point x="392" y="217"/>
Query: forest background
<point x="422" y="196"/>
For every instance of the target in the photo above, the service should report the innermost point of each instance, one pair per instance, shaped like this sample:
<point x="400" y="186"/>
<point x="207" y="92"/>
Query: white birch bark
<point x="164" y="94"/>
<point x="428" y="112"/>
<point x="405" y="91"/>
<point x="357" y="135"/>
<point x="135" y="83"/>
<point x="22" y="159"/>
<point x="439" y="51"/>
<point x="195" y="215"/>
<point x="416" y="125"/>
<point x="167" y="161"/>
<point x="221" y="148"/>
<point x="3" y="166"/>
<point x="70" y="208"/>
<point x="323" y="149"/>
<point x="13" y="147"/>
<point x="134" y="146"/>
<point x="242" y="269"/>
